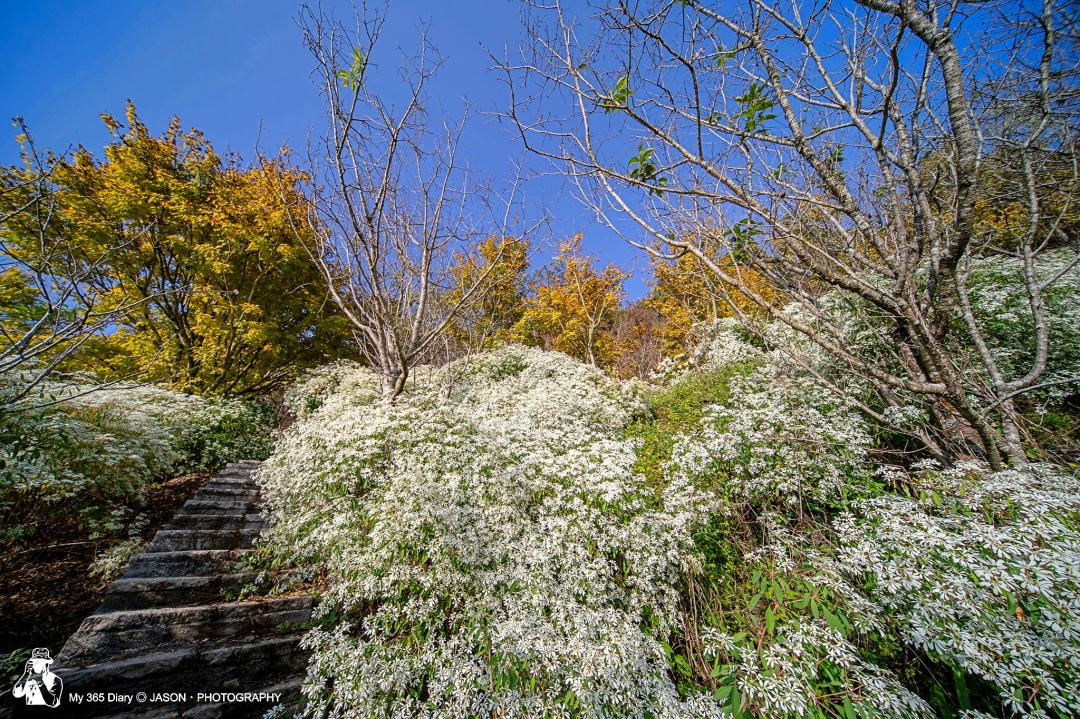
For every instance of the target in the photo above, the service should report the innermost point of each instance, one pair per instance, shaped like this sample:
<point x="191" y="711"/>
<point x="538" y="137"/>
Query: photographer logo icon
<point x="38" y="684"/>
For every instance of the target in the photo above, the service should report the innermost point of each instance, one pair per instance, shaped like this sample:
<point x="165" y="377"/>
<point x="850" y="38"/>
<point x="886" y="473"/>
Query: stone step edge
<point x="207" y="532"/>
<point x="213" y="504"/>
<point x="125" y="617"/>
<point x="157" y="663"/>
<point x="132" y="584"/>
<point x="218" y="558"/>
<point x="130" y="633"/>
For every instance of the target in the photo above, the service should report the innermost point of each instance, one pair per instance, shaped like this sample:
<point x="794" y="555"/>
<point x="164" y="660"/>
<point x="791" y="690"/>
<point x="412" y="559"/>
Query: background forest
<point x="825" y="466"/>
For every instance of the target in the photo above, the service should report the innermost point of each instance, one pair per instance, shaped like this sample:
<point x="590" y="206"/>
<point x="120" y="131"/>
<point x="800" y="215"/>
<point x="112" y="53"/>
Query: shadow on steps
<point x="164" y="644"/>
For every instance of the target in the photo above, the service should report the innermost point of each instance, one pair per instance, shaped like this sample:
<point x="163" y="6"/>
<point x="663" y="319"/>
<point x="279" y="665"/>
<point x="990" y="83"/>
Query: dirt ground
<point x="45" y="586"/>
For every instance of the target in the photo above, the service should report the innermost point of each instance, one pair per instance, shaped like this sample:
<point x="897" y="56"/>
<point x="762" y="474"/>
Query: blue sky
<point x="237" y="70"/>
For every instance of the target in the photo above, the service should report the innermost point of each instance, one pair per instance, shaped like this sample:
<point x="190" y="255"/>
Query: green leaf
<point x="834" y="621"/>
<point x="756" y="106"/>
<point x="643" y="168"/>
<point x="619" y="98"/>
<point x="354" y="76"/>
<point x="724" y="56"/>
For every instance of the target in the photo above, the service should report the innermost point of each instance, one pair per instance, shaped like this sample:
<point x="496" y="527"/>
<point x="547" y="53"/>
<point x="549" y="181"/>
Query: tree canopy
<point x="573" y="307"/>
<point x="222" y="296"/>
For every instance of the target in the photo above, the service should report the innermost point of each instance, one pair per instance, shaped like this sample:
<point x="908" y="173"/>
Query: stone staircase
<point x="164" y="627"/>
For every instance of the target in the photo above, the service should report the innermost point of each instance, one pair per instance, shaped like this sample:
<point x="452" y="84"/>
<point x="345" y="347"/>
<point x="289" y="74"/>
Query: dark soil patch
<point x="46" y="591"/>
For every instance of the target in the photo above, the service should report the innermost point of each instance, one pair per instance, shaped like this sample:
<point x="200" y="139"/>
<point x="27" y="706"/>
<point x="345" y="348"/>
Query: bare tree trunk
<point x="389" y="202"/>
<point x="843" y="164"/>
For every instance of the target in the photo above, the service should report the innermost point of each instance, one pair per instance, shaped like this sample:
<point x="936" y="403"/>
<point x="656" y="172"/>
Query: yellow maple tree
<point x="573" y="307"/>
<point x="495" y="269"/>
<point x="225" y="299"/>
<point x="686" y="292"/>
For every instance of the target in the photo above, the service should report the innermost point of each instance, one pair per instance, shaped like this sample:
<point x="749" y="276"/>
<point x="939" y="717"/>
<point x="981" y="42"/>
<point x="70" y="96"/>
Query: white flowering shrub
<point x="718" y="344"/>
<point x="770" y="629"/>
<point x="670" y="369"/>
<point x="206" y="433"/>
<point x="979" y="572"/>
<point x="845" y="320"/>
<point x="1001" y="309"/>
<point x="1000" y="304"/>
<point x="710" y="346"/>
<point x="786" y="676"/>
<point x="315" y="385"/>
<point x="779" y="439"/>
<point x="92" y="453"/>
<point x="487" y="543"/>
<point x="982" y="572"/>
<point x="520" y="535"/>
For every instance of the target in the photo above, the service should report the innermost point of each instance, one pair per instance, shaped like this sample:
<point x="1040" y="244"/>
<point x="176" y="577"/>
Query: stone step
<point x="237" y="469"/>
<point x="230" y="480"/>
<point x="204" y="506"/>
<point x="215" y="667"/>
<point x="245" y="475"/>
<point x="148" y="592"/>
<point x="235" y="473"/>
<point x="123" y="633"/>
<point x="244" y="478"/>
<point x="220" y="520"/>
<point x="227" y="493"/>
<point x="184" y="562"/>
<point x="234" y="482"/>
<point x="171" y="540"/>
<point x="213" y="495"/>
<point x="165" y="625"/>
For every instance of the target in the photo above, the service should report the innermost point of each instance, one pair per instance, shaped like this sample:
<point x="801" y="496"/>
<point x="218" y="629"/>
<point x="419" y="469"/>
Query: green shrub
<point x="677" y="409"/>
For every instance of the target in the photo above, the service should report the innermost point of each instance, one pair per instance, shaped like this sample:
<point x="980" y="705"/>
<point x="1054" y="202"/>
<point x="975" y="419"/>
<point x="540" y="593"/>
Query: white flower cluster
<point x="317" y="384"/>
<point x="780" y="438"/>
<point x="783" y="678"/>
<point x="904" y="416"/>
<point x="712" y="345"/>
<point x="790" y="344"/>
<point x="670" y="369"/>
<point x="201" y="432"/>
<point x="718" y="344"/>
<point x="982" y="571"/>
<point x="782" y="443"/>
<point x="1000" y="303"/>
<point x="104" y="446"/>
<point x="488" y="543"/>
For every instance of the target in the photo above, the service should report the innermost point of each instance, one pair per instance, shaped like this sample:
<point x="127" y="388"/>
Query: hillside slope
<point x="520" y="535"/>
